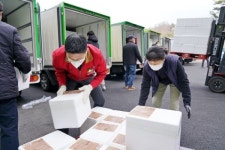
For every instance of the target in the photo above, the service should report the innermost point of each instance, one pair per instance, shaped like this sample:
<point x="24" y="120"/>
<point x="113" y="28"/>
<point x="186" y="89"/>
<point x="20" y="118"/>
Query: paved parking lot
<point x="204" y="131"/>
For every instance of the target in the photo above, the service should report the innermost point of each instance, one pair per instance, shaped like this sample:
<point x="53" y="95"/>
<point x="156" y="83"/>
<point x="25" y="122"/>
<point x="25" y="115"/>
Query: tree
<point x="166" y="29"/>
<point x="216" y="9"/>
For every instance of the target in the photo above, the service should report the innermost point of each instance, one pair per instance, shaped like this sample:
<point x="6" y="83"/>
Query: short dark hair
<point x="90" y="33"/>
<point x="155" y="53"/>
<point x="1" y="6"/>
<point x="76" y="43"/>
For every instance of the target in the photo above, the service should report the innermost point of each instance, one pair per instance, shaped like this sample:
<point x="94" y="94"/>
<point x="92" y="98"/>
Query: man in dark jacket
<point x="12" y="54"/>
<point x="130" y="56"/>
<point x="92" y="39"/>
<point x="161" y="70"/>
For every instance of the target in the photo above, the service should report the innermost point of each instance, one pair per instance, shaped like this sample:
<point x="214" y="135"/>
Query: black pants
<point x="9" y="124"/>
<point x="96" y="93"/>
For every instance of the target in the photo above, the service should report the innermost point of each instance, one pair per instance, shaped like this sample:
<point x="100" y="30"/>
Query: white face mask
<point x="76" y="64"/>
<point x="156" y="67"/>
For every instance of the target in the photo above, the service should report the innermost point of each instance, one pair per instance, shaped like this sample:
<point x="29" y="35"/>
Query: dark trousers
<point x="96" y="94"/>
<point x="9" y="124"/>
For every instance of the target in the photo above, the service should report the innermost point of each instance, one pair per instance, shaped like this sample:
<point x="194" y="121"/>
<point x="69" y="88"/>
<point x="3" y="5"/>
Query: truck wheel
<point x="217" y="84"/>
<point x="45" y="82"/>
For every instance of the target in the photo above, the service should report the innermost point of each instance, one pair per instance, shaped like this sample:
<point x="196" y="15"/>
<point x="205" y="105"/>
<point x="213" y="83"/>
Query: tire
<point x="217" y="84"/>
<point x="45" y="82"/>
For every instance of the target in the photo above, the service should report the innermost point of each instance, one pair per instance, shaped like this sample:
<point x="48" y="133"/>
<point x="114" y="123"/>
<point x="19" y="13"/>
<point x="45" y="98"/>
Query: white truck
<point x="120" y="32"/>
<point x="24" y="15"/>
<point x="191" y="38"/>
<point x="60" y="21"/>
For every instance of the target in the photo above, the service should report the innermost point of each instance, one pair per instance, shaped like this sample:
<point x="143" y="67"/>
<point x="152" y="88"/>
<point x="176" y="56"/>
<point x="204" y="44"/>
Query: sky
<point x="146" y="13"/>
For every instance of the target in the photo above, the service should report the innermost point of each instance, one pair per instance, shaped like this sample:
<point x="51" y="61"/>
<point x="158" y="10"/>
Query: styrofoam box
<point x="84" y="144"/>
<point x="112" y="147"/>
<point x="151" y="127"/>
<point x="57" y="140"/>
<point x="102" y="132"/>
<point x="69" y="110"/>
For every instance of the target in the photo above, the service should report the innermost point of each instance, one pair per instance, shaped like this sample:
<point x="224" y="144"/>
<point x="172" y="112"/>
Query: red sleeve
<point x="100" y="68"/>
<point x="59" y="71"/>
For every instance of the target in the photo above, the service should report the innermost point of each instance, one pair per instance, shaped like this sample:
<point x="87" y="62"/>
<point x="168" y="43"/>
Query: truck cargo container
<point x="166" y="43"/>
<point x="191" y="38"/>
<point x="120" y="32"/>
<point x="150" y="38"/>
<point x="25" y="16"/>
<point x="62" y="20"/>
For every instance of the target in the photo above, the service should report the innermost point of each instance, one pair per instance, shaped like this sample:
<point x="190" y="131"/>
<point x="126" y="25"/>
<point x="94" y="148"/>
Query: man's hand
<point x="188" y="109"/>
<point x="87" y="90"/>
<point x="61" y="90"/>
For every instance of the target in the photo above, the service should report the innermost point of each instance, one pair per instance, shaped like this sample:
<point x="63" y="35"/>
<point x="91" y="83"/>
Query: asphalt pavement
<point x="205" y="130"/>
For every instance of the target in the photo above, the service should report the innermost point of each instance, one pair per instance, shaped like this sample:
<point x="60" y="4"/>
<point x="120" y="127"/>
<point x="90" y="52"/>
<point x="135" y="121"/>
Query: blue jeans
<point x="130" y="72"/>
<point x="9" y="124"/>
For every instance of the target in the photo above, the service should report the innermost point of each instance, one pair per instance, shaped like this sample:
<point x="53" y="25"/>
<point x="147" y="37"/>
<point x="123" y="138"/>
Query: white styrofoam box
<point x="22" y="84"/>
<point x="57" y="140"/>
<point x="112" y="147"/>
<point x="69" y="110"/>
<point x="101" y="132"/>
<point x="151" y="127"/>
<point x="99" y="113"/>
<point x="119" y="140"/>
<point x="83" y="144"/>
<point x="119" y="113"/>
<point x="122" y="129"/>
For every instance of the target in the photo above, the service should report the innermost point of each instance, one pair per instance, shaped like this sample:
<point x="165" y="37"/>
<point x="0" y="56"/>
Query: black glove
<point x="188" y="109"/>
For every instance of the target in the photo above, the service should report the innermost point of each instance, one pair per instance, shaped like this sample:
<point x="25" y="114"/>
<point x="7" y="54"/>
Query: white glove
<point x="87" y="90"/>
<point x="61" y="90"/>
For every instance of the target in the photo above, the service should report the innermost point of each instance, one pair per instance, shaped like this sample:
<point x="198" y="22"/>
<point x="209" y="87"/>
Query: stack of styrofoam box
<point x="106" y="128"/>
<point x="153" y="128"/>
<point x="97" y="114"/>
<point x="69" y="110"/>
<point x="56" y="140"/>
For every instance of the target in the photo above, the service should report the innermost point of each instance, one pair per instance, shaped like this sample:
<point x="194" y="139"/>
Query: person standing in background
<point x="12" y="54"/>
<point x="130" y="56"/>
<point x="92" y="39"/>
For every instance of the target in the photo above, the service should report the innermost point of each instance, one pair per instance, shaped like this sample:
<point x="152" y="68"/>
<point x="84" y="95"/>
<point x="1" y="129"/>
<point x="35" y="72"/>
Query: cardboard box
<point x="150" y="127"/>
<point x="69" y="110"/>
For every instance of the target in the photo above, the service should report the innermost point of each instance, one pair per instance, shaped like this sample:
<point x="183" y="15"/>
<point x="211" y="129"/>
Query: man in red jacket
<point x="80" y="66"/>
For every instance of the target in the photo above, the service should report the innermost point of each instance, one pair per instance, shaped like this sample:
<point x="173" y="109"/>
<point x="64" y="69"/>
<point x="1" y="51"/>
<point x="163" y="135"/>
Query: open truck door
<point x="68" y="19"/>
